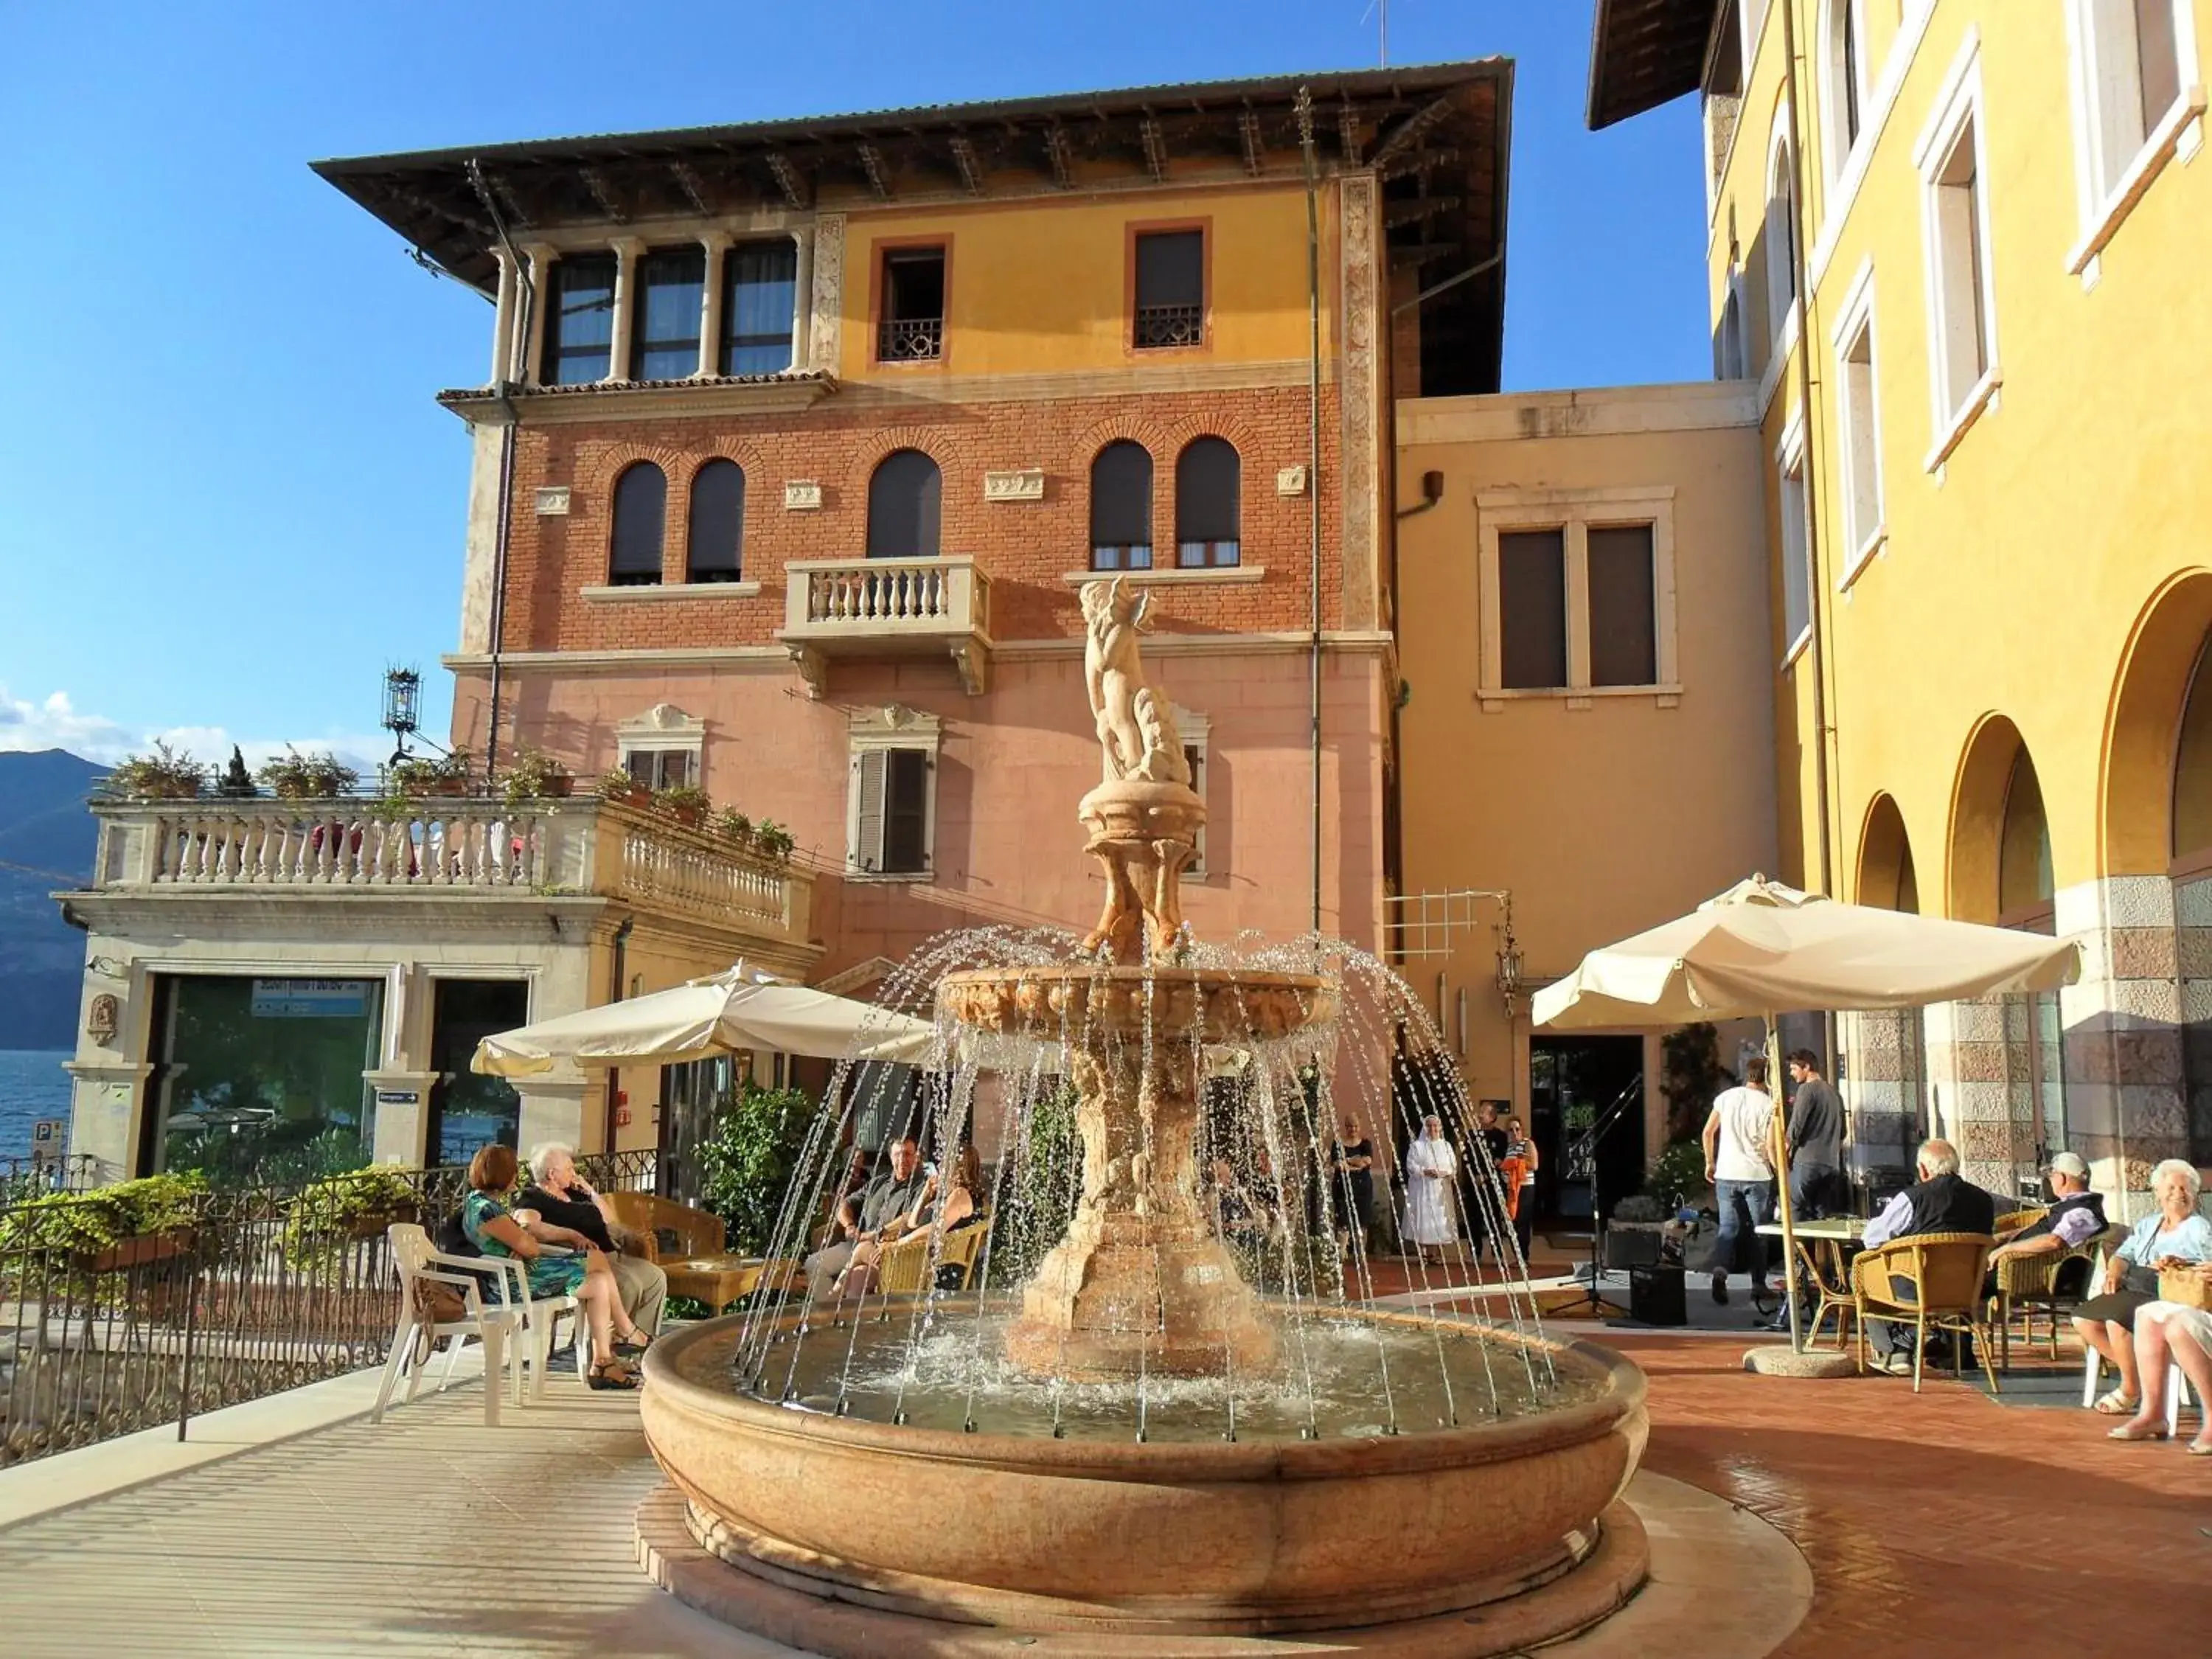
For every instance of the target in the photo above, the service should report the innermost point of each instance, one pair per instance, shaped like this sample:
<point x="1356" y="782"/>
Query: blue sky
<point x="227" y="500"/>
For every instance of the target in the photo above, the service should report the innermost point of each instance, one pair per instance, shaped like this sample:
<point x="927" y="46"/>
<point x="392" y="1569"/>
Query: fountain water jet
<point x="891" y="1477"/>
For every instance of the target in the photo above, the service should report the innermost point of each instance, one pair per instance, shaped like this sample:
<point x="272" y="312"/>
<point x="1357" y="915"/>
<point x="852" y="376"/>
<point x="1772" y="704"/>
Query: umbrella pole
<point x="1782" y="1188"/>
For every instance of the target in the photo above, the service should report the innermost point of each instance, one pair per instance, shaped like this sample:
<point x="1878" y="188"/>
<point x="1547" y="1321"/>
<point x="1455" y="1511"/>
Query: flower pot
<point x="143" y="1251"/>
<point x="371" y="1225"/>
<point x="559" y="786"/>
<point x="689" y="816"/>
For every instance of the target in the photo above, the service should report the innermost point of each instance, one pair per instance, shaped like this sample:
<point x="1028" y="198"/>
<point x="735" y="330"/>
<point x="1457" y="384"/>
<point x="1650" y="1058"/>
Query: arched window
<point x="1209" y="479"/>
<point x="1730" y="359"/>
<point x="2024" y="876"/>
<point x="640" y="514"/>
<point x="1121" y="508"/>
<point x="715" y="550"/>
<point x="904" y="501"/>
<point x="1781" y="238"/>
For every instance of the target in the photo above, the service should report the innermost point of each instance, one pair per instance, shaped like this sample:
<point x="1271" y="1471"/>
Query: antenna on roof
<point x="1380" y="10"/>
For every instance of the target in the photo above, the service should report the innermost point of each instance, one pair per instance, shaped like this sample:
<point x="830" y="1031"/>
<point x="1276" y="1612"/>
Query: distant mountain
<point x="45" y="835"/>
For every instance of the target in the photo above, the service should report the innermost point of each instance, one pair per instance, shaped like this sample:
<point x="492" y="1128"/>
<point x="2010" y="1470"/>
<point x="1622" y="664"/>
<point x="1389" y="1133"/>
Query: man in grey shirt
<point x="1816" y="1141"/>
<point x="872" y="1213"/>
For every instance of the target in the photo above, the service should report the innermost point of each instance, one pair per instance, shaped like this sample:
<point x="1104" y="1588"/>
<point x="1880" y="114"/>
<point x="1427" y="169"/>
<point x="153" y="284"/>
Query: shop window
<point x="259" y="1080"/>
<point x="1209" y="480"/>
<point x="912" y="326"/>
<point x="1121" y="508"/>
<point x="1532" y="602"/>
<point x="641" y="516"/>
<point x="468" y="1110"/>
<point x="759" y="298"/>
<point x="670" y="284"/>
<point x="1171" y="298"/>
<point x="714" y="549"/>
<point x="905" y="506"/>
<point x="579" y="320"/>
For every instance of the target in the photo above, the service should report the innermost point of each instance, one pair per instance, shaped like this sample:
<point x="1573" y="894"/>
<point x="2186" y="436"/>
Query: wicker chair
<point x="1817" y="1272"/>
<point x="905" y="1265"/>
<point x="2028" y="1284"/>
<point x="693" y="1232"/>
<point x="1930" y="1281"/>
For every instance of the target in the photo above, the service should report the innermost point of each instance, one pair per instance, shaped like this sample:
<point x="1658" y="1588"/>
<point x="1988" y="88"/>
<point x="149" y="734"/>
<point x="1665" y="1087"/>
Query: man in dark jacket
<point x="1944" y="1201"/>
<point x="1816" y="1141"/>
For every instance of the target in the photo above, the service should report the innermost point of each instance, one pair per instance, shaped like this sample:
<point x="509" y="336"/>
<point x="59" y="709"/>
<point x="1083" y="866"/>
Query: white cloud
<point x="56" y="723"/>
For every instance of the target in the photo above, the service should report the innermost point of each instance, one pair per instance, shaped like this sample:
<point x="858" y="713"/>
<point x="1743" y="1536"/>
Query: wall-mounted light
<point x="1510" y="964"/>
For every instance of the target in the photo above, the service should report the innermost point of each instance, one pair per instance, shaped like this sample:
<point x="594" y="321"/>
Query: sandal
<point x="2199" y="1448"/>
<point x="2115" y="1404"/>
<point x="2128" y="1432"/>
<point x="631" y="1347"/>
<point x="612" y="1373"/>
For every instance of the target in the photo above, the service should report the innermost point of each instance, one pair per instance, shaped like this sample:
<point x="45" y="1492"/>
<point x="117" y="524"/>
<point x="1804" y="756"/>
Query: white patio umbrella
<point x="1761" y="949"/>
<point x="740" y="1007"/>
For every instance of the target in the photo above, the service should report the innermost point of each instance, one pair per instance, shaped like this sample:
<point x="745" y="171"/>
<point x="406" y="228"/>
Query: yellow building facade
<point x="1959" y="249"/>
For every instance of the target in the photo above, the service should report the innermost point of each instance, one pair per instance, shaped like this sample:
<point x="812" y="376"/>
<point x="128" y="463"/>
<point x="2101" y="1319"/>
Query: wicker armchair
<point x="1930" y="1281"/>
<point x="2028" y="1284"/>
<point x="1819" y="1274"/>
<point x="693" y="1232"/>
<point x="904" y="1266"/>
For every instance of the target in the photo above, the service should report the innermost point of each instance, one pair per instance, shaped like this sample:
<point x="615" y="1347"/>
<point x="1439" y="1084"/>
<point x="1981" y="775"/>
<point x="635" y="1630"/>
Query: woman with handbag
<point x="2172" y="1236"/>
<point x="2175" y="1333"/>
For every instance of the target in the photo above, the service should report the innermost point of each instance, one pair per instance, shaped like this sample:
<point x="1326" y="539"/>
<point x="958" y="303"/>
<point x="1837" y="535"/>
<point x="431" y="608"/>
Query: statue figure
<point x="1136" y="736"/>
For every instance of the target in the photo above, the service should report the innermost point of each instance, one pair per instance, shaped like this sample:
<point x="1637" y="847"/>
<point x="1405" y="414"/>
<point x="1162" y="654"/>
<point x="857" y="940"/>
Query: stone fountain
<point x="795" y="1516"/>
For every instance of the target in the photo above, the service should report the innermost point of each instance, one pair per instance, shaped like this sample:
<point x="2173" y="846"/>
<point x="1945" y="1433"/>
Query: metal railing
<point x="246" y="1291"/>
<point x="22" y="1178"/>
<point x="909" y="339"/>
<point x="1170" y="325"/>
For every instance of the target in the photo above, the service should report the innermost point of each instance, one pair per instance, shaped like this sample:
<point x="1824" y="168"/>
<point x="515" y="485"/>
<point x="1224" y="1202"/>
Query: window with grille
<point x="759" y="298"/>
<point x="665" y="343"/>
<point x="640" y="514"/>
<point x="1170" y="298"/>
<point x="579" y="320"/>
<point x="1209" y="479"/>
<point x="891" y="812"/>
<point x="1121" y="508"/>
<point x="905" y="506"/>
<point x="1532" y="605"/>
<point x="715" y="550"/>
<point x="912" y="325"/>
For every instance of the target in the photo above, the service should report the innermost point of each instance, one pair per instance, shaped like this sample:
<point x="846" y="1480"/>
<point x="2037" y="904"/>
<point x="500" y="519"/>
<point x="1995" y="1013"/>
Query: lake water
<point x="33" y="1086"/>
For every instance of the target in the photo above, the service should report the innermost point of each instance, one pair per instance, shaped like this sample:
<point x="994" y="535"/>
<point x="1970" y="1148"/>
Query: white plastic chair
<point x="415" y="1260"/>
<point x="2177" y="1387"/>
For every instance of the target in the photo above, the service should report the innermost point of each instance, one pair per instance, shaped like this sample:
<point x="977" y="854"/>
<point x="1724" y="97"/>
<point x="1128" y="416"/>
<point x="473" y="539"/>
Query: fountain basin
<point x="1170" y="1546"/>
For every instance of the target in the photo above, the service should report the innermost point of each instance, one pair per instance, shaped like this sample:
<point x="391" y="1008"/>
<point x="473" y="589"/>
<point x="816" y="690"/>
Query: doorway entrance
<point x="1573" y="1083"/>
<point x="467" y="1109"/>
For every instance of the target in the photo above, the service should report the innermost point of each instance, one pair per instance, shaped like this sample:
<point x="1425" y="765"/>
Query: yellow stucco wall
<point x="2014" y="575"/>
<point x="1605" y="819"/>
<point x="1039" y="286"/>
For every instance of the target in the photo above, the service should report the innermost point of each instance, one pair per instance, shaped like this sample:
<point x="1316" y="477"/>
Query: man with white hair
<point x="1944" y="1201"/>
<point x="562" y="1197"/>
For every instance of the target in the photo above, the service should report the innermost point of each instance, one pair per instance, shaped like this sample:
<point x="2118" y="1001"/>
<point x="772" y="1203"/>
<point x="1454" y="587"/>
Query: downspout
<point x="620" y="955"/>
<point x="1313" y="469"/>
<point x="520" y="331"/>
<point x="1815" y="592"/>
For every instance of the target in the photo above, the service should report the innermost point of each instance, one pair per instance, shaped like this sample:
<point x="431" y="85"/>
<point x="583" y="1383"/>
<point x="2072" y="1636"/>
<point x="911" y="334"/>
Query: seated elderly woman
<point x="559" y="1194"/>
<point x="2172" y="1333"/>
<point x="552" y="1264"/>
<point x="2172" y="1236"/>
<point x="946" y="1204"/>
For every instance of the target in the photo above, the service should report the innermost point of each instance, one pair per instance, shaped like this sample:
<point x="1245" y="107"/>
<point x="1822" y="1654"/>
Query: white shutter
<point x="867" y="852"/>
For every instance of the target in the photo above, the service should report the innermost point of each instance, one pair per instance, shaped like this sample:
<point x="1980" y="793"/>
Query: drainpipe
<point x="621" y="964"/>
<point x="1816" y="592"/>
<point x="1313" y="468"/>
<point x="520" y="326"/>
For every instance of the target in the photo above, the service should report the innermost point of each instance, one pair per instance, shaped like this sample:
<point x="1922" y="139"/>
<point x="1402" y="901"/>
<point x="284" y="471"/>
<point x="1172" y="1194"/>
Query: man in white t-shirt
<point x="1740" y="1163"/>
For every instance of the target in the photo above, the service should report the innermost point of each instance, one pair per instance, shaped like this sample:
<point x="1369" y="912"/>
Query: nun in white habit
<point x="1431" y="1168"/>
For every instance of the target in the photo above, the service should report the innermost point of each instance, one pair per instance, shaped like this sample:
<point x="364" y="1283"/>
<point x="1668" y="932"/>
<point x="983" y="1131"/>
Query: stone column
<point x="503" y="329"/>
<point x="628" y="251"/>
<point x="802" y="299"/>
<point x="552" y="1109"/>
<point x="539" y="299"/>
<point x="2126" y="1095"/>
<point x="1881" y="1086"/>
<point x="402" y="1127"/>
<point x="106" y="1106"/>
<point x="827" y="281"/>
<point x="1969" y="1068"/>
<point x="715" y="243"/>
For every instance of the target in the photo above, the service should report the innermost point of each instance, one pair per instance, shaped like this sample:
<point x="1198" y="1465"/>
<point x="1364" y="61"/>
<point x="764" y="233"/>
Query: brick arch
<point x="2137" y="758"/>
<point x="1250" y="504"/>
<point x="952" y="521"/>
<point x="595" y="479"/>
<point x="748" y="461"/>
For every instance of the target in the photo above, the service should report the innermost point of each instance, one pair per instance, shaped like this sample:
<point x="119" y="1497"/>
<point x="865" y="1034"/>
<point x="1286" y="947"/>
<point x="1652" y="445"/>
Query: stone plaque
<point x="1025" y="485"/>
<point x="801" y="496"/>
<point x="1290" y="481"/>
<point x="553" y="501"/>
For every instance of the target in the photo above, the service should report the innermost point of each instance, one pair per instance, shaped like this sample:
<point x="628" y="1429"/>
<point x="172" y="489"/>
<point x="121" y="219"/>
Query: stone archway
<point x="1973" y="855"/>
<point x="1886" y="874"/>
<point x="2139" y="780"/>
<point x="1886" y="1052"/>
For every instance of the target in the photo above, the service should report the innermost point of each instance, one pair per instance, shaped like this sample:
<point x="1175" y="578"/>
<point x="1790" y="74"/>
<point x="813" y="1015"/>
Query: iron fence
<point x="1170" y="325"/>
<point x="243" y="1292"/>
<point x="22" y="1178"/>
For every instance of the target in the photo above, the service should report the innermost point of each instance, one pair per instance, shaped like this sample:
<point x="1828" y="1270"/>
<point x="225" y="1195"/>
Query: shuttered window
<point x="891" y="813"/>
<point x="715" y="552"/>
<point x="1624" y="639"/>
<point x="1121" y="508"/>
<point x="1532" y="605"/>
<point x="905" y="498"/>
<point x="640" y="514"/>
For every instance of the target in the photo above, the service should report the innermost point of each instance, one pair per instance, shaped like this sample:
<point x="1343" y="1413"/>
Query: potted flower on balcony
<point x="773" y="841"/>
<point x="359" y="1204"/>
<point x="685" y="803"/>
<point x="623" y="790"/>
<point x="734" y="827"/>
<point x="416" y="777"/>
<point x="132" y="1223"/>
<point x="295" y="776"/>
<point x="533" y="775"/>
<point x="165" y="775"/>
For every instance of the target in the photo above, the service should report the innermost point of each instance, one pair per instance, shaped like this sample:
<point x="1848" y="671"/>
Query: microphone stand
<point x="1592" y="1301"/>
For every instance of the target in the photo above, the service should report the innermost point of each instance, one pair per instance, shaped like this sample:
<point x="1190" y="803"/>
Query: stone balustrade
<point x="881" y="607"/>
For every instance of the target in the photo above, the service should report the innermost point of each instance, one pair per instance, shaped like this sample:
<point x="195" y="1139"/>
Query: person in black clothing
<point x="1816" y="1141"/>
<point x="1481" y="1176"/>
<point x="563" y="1197"/>
<point x="1944" y="1201"/>
<point x="1353" y="1155"/>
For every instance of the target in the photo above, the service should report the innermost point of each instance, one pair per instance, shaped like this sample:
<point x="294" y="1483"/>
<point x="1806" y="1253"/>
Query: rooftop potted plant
<point x="417" y="776"/>
<point x="165" y="775"/>
<point x="618" y="787"/>
<point x="294" y="777"/>
<point x="685" y="803"/>
<point x="533" y="775"/>
<point x="358" y="1204"/>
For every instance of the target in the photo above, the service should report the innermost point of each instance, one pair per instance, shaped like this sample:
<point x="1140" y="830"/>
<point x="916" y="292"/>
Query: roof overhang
<point x="1645" y="52"/>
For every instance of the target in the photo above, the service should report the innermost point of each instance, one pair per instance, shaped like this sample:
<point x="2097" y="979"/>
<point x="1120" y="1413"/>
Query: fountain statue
<point x="1185" y="1424"/>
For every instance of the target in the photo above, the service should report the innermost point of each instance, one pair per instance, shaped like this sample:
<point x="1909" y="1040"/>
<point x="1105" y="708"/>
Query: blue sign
<point x="310" y="999"/>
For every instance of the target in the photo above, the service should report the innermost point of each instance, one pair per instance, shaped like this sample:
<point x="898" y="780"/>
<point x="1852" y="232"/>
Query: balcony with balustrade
<point x="879" y="608"/>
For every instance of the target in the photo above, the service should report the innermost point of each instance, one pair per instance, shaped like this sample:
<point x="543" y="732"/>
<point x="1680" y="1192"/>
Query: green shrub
<point x="321" y="1219"/>
<point x="1678" y="1176"/>
<point x="750" y="1161"/>
<point x="86" y="1222"/>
